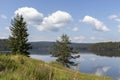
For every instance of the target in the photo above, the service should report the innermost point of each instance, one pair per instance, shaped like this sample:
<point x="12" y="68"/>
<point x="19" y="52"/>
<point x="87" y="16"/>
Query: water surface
<point x="92" y="63"/>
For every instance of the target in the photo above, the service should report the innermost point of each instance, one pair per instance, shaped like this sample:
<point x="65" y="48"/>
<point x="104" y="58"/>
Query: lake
<point x="92" y="63"/>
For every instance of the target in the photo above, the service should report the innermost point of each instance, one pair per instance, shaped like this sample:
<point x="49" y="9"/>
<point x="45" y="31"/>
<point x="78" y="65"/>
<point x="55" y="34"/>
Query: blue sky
<point x="86" y="21"/>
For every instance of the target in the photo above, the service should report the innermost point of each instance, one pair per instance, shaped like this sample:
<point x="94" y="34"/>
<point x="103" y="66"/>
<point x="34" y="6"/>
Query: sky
<point x="84" y="21"/>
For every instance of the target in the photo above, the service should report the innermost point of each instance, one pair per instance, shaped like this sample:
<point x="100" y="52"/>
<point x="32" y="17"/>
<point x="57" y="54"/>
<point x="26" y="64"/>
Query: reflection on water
<point x="92" y="63"/>
<point x="46" y="58"/>
<point x="100" y="65"/>
<point x="108" y="53"/>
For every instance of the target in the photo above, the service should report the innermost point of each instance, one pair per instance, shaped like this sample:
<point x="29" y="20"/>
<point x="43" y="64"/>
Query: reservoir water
<point x="101" y="65"/>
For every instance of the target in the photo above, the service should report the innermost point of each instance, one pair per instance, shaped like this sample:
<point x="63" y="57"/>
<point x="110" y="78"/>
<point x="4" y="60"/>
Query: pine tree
<point x="63" y="51"/>
<point x="18" y="40"/>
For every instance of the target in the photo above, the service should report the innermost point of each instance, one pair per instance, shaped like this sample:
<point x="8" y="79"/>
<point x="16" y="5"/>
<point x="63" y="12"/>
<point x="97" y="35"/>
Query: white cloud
<point x="113" y="17"/>
<point x="78" y="39"/>
<point x="117" y="19"/>
<point x="102" y="70"/>
<point x="98" y="25"/>
<point x="31" y="15"/>
<point x="55" y="21"/>
<point x="75" y="29"/>
<point x="3" y="16"/>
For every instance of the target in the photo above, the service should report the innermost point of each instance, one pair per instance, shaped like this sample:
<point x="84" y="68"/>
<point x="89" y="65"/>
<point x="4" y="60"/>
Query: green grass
<point x="19" y="67"/>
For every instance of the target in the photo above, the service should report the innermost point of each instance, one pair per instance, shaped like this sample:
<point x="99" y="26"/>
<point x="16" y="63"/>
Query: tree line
<point x="4" y="45"/>
<point x="106" y="46"/>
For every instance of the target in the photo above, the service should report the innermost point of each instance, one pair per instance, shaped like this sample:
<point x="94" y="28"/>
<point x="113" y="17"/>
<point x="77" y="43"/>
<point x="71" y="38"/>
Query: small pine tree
<point x="18" y="39"/>
<point x="63" y="51"/>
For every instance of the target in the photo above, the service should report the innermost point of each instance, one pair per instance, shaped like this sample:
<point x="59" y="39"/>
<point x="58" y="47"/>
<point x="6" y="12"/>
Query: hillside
<point x="44" y="47"/>
<point x="19" y="67"/>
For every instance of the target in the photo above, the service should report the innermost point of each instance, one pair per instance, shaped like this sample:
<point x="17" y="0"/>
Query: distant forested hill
<point x="106" y="46"/>
<point x="46" y="47"/>
<point x="43" y="47"/>
<point x="106" y="49"/>
<point x="4" y="45"/>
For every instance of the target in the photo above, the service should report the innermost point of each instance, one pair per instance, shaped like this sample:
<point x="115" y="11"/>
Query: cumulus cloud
<point x="113" y="17"/>
<point x="78" y="39"/>
<point x="55" y="21"/>
<point x="75" y="29"/>
<point x="117" y="19"/>
<point x="31" y="15"/>
<point x="3" y="16"/>
<point x="98" y="25"/>
<point x="102" y="70"/>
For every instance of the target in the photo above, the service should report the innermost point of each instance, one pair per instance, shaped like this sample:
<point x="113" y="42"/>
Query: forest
<point x="44" y="47"/>
<point x="106" y="46"/>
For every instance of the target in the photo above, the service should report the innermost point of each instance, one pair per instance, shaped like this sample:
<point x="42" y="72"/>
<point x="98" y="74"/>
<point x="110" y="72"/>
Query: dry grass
<point x="19" y="67"/>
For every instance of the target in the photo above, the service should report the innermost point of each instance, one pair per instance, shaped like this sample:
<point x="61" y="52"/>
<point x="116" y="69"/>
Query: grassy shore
<point x="19" y="67"/>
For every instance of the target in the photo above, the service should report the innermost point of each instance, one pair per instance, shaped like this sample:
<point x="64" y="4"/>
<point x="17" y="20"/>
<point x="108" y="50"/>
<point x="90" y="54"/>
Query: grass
<point x="19" y="67"/>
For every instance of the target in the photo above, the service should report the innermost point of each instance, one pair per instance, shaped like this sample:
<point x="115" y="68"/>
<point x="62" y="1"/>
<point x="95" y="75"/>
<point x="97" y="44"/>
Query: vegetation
<point x="19" y="67"/>
<point x="18" y="40"/>
<point x="106" y="46"/>
<point x="44" y="47"/>
<point x="62" y="50"/>
<point x="4" y="45"/>
<point x="108" y="53"/>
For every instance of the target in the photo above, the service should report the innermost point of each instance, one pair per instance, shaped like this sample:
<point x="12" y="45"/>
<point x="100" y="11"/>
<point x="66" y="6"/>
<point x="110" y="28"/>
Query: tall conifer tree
<point x="63" y="51"/>
<point x="18" y="40"/>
